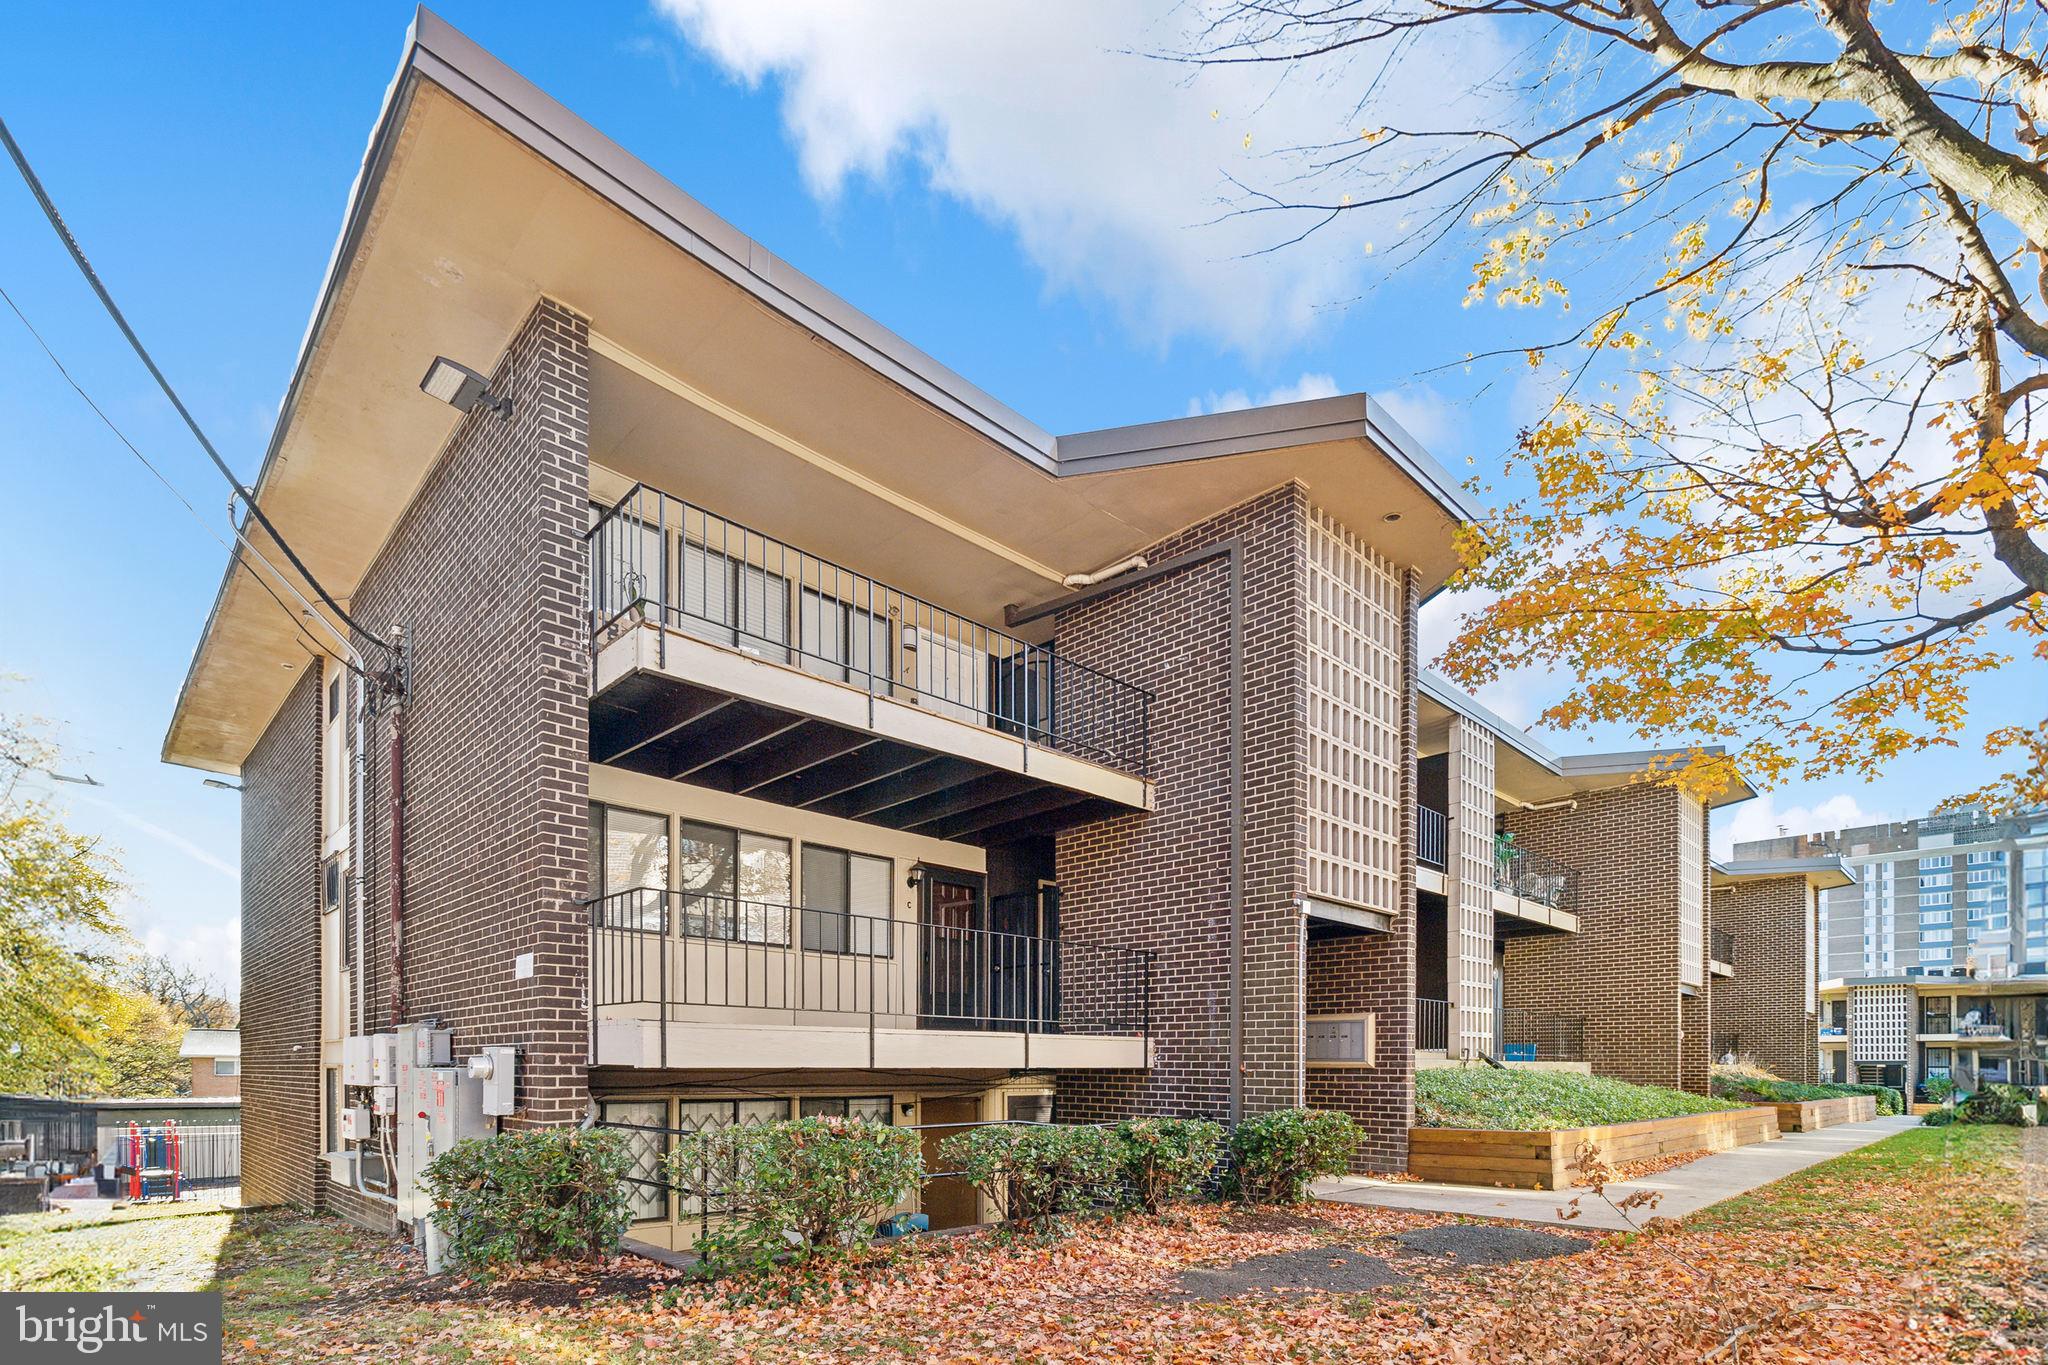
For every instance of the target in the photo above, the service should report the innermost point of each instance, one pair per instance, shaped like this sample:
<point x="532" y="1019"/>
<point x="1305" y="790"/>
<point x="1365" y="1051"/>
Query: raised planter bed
<point x="1539" y="1160"/>
<point x="1808" y="1116"/>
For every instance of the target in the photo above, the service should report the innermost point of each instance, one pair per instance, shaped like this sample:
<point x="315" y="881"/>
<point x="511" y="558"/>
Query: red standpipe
<point x="397" y="869"/>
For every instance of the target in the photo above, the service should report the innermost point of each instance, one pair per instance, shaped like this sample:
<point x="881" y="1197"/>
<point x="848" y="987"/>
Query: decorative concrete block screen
<point x="1880" y="1023"/>
<point x="1354" y="732"/>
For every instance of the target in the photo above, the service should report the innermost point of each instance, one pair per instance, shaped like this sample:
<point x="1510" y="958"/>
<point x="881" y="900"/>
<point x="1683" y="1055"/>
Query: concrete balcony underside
<point x="674" y="706"/>
<point x="1516" y="914"/>
<point x="623" y="1040"/>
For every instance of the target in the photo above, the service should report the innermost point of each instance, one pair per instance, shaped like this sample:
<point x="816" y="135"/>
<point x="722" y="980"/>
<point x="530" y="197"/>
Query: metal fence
<point x="677" y="951"/>
<point x="206" y="1157"/>
<point x="657" y="557"/>
<point x="1533" y="876"/>
<point x="1432" y="1024"/>
<point x="1429" y="837"/>
<point x="1526" y="1035"/>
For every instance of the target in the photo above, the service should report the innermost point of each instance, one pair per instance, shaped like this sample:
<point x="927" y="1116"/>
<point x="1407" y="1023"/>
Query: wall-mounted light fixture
<point x="462" y="388"/>
<point x="219" y="785"/>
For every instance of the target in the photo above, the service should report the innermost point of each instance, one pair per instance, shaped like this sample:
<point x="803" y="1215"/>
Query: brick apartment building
<point x="748" y="717"/>
<point x="1766" y="943"/>
<point x="1931" y="949"/>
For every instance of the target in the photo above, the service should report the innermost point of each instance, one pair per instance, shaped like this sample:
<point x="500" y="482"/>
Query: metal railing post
<point x="662" y="961"/>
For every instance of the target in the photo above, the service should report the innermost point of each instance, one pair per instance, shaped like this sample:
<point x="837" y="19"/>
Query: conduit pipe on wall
<point x="1089" y="580"/>
<point x="1110" y="581"/>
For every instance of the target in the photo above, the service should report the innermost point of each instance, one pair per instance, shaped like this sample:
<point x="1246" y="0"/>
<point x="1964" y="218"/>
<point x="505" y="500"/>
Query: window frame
<point x="888" y="946"/>
<point x="600" y="860"/>
<point x="689" y="897"/>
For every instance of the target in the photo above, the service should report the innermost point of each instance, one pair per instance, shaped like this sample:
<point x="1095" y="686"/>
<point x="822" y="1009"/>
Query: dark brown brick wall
<point x="281" y="956"/>
<point x="1763" y="1005"/>
<point x="1160" y="881"/>
<point x="486" y="573"/>
<point x="1620" y="971"/>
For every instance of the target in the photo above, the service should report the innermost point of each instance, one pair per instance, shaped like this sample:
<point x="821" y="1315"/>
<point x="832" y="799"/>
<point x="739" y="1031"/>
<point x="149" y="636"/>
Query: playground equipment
<point x="153" y="1162"/>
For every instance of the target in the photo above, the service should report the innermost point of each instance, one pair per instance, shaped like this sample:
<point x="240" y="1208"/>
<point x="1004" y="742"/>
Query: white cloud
<point x="1300" y="391"/>
<point x="1791" y="813"/>
<point x="1429" y="417"/>
<point x="168" y="837"/>
<point x="1108" y="165"/>
<point x="213" y="948"/>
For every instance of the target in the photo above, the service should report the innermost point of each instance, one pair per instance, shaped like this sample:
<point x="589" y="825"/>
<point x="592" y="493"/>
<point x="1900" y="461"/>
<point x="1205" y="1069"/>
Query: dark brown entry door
<point x="949" y="1202"/>
<point x="952" y="951"/>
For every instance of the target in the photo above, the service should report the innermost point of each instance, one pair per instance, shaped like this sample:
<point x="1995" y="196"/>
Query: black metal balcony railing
<point x="680" y="954"/>
<point x="1721" y="946"/>
<point x="1429" y="837"/>
<point x="1533" y="877"/>
<point x="1540" y="1036"/>
<point x="694" y="571"/>
<point x="1432" y="1024"/>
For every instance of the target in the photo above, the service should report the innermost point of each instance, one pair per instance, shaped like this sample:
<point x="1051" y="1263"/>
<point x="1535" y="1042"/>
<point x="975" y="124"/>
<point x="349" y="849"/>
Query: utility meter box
<point x="497" y="1070"/>
<point x="355" y="1125"/>
<point x="383" y="1059"/>
<point x="355" y="1060"/>
<point x="439" y="1107"/>
<point x="428" y="1046"/>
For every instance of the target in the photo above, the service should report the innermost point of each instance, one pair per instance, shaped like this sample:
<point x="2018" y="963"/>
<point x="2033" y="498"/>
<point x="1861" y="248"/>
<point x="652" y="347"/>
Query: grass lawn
<point x="1481" y="1097"/>
<point x="1907" y="1251"/>
<point x="151" y="1246"/>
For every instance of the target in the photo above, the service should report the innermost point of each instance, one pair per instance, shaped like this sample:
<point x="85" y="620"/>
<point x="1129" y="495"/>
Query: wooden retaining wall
<point x="1540" y="1160"/>
<point x="1807" y="1116"/>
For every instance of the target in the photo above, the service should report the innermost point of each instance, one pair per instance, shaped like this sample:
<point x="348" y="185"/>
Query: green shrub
<point x="1532" y="1101"/>
<point x="1938" y="1089"/>
<point x="795" y="1190"/>
<point x="1996" y="1104"/>
<point x="1166" y="1160"/>
<point x="1940" y="1118"/>
<point x="1276" y="1155"/>
<point x="1037" y="1175"/>
<point x="531" y="1195"/>
<point x="1761" y="1091"/>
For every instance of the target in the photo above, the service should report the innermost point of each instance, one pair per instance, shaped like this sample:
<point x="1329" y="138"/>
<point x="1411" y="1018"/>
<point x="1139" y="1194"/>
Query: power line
<point x="92" y="278"/>
<point x="234" y="551"/>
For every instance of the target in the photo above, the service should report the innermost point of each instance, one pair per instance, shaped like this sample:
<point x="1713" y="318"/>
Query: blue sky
<point x="936" y="168"/>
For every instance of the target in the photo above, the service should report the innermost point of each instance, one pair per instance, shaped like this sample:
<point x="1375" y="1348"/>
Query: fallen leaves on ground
<point x="1648" y="1166"/>
<point x="1907" y="1251"/>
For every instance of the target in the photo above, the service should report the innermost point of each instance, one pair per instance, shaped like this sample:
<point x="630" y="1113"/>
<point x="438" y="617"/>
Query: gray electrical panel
<point x="438" y="1106"/>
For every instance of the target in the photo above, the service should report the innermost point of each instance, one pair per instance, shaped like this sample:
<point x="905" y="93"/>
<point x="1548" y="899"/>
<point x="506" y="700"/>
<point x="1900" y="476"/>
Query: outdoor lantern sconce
<point x="462" y="388"/>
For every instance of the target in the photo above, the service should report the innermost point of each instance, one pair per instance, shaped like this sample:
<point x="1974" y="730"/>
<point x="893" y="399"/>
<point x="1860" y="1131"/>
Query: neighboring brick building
<point x="216" y="1058"/>
<point x="1562" y="914"/>
<point x="676" y="745"/>
<point x="1762" y="956"/>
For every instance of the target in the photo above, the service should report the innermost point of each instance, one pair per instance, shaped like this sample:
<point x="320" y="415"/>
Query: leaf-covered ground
<point x="150" y="1246"/>
<point x="1910" y="1250"/>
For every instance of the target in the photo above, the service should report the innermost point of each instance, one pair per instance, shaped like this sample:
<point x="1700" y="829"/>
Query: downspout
<point x="1232" y="551"/>
<point x="397" y="868"/>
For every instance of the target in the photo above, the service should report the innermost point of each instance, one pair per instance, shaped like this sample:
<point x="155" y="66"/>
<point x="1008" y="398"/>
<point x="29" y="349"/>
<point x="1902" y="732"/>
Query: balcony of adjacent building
<point x="1532" y="893"/>
<point x="729" y="658"/>
<point x="1519" y="1037"/>
<point x="683" y="980"/>
<point x="1721" y="952"/>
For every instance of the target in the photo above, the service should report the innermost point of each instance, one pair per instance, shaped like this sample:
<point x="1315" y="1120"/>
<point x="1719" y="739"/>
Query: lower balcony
<point x="1521" y="1036"/>
<point x="683" y="981"/>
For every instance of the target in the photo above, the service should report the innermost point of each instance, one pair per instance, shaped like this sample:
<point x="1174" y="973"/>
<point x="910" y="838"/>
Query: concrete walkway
<point x="1685" y="1189"/>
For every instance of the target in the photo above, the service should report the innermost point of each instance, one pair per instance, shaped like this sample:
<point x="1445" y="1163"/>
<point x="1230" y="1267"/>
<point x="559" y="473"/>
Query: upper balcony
<point x="1534" y="891"/>
<point x="692" y="979"/>
<point x="730" y="659"/>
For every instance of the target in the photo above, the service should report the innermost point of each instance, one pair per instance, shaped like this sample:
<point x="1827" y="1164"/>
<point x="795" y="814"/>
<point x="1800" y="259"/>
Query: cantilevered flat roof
<point x="1819" y="872"/>
<point x="1526" y="769"/>
<point x="479" y="195"/>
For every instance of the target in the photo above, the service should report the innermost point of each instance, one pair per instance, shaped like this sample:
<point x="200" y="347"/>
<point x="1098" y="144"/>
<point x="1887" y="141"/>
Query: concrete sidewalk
<point x="1685" y="1189"/>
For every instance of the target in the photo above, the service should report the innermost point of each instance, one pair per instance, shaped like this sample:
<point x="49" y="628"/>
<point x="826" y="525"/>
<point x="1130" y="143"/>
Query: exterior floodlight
<point x="462" y="388"/>
<point x="223" y="786"/>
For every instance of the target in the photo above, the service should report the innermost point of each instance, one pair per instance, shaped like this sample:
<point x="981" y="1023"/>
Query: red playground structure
<point x="153" y="1162"/>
